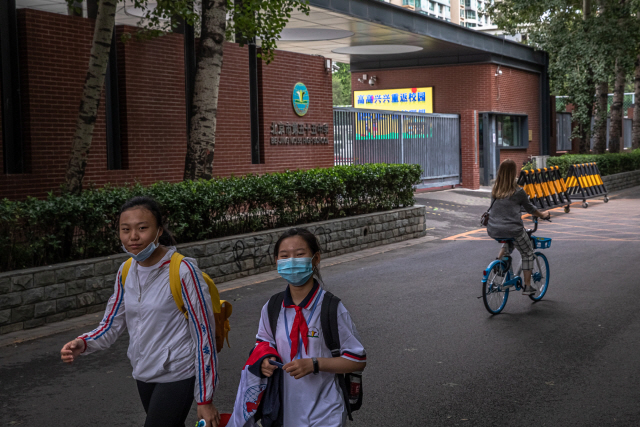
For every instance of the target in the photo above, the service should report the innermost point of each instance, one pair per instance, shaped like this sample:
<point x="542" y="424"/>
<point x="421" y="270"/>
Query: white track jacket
<point x="163" y="347"/>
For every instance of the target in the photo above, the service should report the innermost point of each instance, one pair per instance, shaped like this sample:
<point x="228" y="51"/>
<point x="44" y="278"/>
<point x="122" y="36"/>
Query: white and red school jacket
<point x="163" y="346"/>
<point x="314" y="400"/>
<point x="252" y="387"/>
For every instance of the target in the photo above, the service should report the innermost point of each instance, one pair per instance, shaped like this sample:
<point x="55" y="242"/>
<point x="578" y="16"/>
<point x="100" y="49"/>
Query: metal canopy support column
<point x="545" y="111"/>
<point x="189" y="37"/>
<point x="112" y="109"/>
<point x="188" y="33"/>
<point x="254" y="103"/>
<point x="254" y="94"/>
<point x="10" y="72"/>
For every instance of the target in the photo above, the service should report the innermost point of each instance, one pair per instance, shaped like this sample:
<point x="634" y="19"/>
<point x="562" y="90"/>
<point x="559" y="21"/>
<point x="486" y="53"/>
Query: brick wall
<point x="53" y="66"/>
<point x="468" y="90"/>
<point x="54" y="56"/>
<point x="233" y="151"/>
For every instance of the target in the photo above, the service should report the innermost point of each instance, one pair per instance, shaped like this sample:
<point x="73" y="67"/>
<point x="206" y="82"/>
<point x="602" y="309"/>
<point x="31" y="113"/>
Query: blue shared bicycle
<point x="498" y="278"/>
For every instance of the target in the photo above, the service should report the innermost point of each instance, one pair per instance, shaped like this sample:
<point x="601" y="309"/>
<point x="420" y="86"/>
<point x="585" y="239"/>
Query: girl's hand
<point x="210" y="414"/>
<point x="299" y="368"/>
<point x="267" y="368"/>
<point x="71" y="350"/>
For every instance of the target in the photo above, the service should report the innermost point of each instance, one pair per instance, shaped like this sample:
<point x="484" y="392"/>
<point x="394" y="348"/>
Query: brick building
<point x="498" y="88"/>
<point x="53" y="57"/>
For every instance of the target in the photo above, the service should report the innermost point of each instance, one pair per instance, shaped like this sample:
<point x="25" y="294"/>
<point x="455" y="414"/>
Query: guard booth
<point x="499" y="132"/>
<point x="398" y="60"/>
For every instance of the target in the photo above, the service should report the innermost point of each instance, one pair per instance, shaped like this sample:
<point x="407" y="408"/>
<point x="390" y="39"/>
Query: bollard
<point x="585" y="182"/>
<point x="545" y="187"/>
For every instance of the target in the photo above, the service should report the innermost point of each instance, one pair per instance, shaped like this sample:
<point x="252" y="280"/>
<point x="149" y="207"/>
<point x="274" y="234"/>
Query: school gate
<point x="376" y="136"/>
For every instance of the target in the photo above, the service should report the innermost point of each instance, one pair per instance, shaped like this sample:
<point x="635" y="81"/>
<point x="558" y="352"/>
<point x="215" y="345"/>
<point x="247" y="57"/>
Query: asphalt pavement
<point x="435" y="356"/>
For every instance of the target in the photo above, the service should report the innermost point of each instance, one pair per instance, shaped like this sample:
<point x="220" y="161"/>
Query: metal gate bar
<point x="376" y="136"/>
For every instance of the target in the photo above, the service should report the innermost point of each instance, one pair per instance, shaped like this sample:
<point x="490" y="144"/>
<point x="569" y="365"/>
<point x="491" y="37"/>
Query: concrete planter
<point x="36" y="296"/>
<point x="620" y="181"/>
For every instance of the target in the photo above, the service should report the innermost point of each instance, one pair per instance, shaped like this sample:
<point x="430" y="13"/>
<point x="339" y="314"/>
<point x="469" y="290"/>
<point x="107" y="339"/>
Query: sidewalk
<point x="93" y="319"/>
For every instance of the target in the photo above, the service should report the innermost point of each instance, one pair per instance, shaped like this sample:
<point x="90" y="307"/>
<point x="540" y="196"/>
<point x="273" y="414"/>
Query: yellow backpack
<point x="221" y="309"/>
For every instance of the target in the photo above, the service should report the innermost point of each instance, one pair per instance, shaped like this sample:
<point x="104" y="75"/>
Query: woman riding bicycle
<point x="505" y="219"/>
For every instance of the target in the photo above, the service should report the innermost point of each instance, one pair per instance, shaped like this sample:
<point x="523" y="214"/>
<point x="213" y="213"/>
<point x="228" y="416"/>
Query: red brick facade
<point x="469" y="90"/>
<point x="54" y="56"/>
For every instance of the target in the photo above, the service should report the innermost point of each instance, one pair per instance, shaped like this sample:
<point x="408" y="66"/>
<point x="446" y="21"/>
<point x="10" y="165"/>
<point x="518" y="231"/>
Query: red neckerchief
<point x="299" y="328"/>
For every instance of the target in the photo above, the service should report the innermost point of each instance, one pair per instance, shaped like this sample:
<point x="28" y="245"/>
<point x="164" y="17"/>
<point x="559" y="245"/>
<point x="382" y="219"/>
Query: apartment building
<point x="468" y="13"/>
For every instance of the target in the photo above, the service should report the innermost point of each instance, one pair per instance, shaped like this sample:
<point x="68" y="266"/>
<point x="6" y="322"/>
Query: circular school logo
<point x="314" y="333"/>
<point x="300" y="99"/>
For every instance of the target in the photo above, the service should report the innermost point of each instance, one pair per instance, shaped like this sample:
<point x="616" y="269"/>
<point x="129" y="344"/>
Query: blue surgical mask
<point x="295" y="271"/>
<point x="146" y="252"/>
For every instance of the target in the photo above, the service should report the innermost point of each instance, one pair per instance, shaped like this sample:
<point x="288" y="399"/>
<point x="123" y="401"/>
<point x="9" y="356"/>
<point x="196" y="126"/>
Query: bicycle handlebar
<point x="535" y="221"/>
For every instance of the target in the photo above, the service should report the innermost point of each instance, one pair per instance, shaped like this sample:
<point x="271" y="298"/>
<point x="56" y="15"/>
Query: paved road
<point x="436" y="358"/>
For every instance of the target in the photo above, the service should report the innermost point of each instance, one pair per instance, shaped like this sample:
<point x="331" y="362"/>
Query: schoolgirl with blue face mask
<point x="174" y="359"/>
<point x="312" y="394"/>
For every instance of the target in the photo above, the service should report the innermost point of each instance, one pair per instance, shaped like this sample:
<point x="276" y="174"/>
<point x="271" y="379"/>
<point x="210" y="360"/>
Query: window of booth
<point x="511" y="131"/>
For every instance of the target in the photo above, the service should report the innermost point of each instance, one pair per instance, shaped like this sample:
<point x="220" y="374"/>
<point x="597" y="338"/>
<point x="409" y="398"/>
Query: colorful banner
<point x="412" y="100"/>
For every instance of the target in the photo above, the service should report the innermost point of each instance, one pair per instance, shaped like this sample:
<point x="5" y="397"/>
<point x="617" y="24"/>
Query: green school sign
<point x="300" y="99"/>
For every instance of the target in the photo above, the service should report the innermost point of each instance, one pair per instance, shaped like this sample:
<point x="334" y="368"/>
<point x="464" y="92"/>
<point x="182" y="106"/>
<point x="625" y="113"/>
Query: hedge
<point x="608" y="164"/>
<point x="66" y="228"/>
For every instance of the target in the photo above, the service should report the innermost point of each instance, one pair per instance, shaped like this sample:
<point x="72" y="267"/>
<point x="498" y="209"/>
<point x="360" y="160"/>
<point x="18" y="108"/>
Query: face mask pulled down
<point x="146" y="252"/>
<point x="296" y="271"/>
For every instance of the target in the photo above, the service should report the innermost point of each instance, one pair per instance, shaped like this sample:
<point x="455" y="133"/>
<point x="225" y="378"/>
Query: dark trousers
<point x="166" y="404"/>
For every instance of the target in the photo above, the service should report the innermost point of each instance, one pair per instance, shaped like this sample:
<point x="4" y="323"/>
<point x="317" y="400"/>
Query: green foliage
<point x="341" y="84"/>
<point x="251" y="19"/>
<point x="262" y="19"/>
<point x="608" y="164"/>
<point x="158" y="16"/>
<point x="583" y="48"/>
<point x="72" y="227"/>
<point x="529" y="166"/>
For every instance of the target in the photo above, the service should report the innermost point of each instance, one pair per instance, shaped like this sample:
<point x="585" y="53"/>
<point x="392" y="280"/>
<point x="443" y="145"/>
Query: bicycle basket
<point x="541" y="242"/>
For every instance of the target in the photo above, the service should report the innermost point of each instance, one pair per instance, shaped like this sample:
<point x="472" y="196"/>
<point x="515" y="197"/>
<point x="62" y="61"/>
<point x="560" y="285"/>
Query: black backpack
<point x="329" y="323"/>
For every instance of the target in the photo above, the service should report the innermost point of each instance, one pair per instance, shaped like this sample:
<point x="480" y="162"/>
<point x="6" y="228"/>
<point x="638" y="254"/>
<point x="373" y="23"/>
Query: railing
<point x="375" y="136"/>
<point x="627" y="132"/>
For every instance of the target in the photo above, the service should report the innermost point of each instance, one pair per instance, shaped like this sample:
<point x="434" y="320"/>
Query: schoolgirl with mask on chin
<point x="173" y="359"/>
<point x="311" y="395"/>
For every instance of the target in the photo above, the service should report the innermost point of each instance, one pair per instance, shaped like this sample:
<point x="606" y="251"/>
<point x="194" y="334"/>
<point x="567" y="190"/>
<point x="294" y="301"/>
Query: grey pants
<point x="522" y="242"/>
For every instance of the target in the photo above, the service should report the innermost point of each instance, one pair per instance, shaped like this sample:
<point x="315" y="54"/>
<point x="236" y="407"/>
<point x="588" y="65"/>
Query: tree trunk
<point x="636" y="107"/>
<point x="585" y="129"/>
<point x="585" y="135"/>
<point x="202" y="123"/>
<point x="615" y="130"/>
<point x="92" y="92"/>
<point x="600" y="119"/>
<point x="586" y="9"/>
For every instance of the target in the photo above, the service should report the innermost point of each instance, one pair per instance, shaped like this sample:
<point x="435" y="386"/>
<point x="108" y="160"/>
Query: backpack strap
<point x="125" y="271"/>
<point x="273" y="310"/>
<point x="329" y="323"/>
<point x="175" y="283"/>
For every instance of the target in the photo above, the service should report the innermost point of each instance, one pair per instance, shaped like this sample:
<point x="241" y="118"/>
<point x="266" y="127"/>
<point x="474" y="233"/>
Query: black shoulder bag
<point x="484" y="219"/>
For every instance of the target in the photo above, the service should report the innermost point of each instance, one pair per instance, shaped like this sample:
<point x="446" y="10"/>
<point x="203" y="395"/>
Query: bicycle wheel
<point x="493" y="296"/>
<point x="540" y="276"/>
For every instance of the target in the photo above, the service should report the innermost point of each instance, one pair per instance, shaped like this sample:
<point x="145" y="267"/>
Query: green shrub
<point x="65" y="228"/>
<point x="608" y="164"/>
